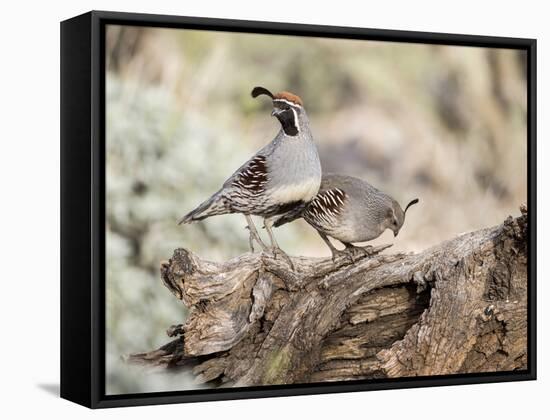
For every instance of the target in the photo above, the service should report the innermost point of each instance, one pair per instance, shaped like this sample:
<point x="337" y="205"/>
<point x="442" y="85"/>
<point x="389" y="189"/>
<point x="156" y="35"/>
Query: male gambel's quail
<point x="350" y="210"/>
<point x="284" y="174"/>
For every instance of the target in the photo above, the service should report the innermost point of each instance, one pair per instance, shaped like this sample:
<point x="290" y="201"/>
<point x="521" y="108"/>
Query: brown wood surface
<point x="458" y="307"/>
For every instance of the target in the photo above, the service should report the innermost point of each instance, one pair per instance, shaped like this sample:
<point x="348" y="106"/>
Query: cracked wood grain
<point x="458" y="307"/>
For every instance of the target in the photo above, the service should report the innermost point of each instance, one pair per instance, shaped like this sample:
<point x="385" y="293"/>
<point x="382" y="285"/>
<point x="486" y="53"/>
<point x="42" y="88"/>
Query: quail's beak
<point x="395" y="232"/>
<point x="275" y="112"/>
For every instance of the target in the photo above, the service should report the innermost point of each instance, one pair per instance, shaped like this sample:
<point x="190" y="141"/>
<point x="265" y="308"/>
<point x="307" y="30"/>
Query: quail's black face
<point x="287" y="107"/>
<point x="288" y="115"/>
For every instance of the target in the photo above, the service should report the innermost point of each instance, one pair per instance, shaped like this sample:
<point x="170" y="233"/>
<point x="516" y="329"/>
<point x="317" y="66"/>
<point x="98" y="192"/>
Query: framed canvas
<point x="386" y="181"/>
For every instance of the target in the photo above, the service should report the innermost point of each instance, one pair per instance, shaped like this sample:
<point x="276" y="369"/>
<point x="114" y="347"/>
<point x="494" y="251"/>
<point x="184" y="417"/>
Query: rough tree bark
<point x="458" y="307"/>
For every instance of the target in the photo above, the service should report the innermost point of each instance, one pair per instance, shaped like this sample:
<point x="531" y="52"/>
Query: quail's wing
<point x="251" y="177"/>
<point x="325" y="209"/>
<point x="254" y="173"/>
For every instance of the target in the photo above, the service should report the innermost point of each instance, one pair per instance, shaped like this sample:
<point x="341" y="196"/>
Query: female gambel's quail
<point x="350" y="210"/>
<point x="284" y="174"/>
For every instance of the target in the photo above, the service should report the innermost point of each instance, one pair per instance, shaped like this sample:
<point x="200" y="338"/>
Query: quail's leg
<point x="274" y="246"/>
<point x="253" y="235"/>
<point x="335" y="252"/>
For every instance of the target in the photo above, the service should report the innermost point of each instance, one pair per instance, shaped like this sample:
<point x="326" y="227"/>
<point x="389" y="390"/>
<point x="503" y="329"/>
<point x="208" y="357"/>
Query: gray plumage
<point x="283" y="174"/>
<point x="350" y="210"/>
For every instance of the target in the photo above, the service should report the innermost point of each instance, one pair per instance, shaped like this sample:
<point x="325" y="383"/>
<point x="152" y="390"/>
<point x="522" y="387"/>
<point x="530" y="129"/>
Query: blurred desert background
<point x="442" y="123"/>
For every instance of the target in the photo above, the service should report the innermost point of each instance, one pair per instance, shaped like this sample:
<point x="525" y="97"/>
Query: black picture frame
<point x="83" y="205"/>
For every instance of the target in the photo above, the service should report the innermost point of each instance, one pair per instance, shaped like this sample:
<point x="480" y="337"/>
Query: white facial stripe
<point x="287" y="102"/>
<point x="296" y="122"/>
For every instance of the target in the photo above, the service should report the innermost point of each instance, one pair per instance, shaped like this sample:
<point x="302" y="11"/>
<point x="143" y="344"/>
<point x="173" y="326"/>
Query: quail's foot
<point x="253" y="236"/>
<point x="351" y="252"/>
<point x="279" y="252"/>
<point x="274" y="246"/>
<point x="250" y="241"/>
<point x="336" y="253"/>
<point x="368" y="250"/>
<point x="356" y="252"/>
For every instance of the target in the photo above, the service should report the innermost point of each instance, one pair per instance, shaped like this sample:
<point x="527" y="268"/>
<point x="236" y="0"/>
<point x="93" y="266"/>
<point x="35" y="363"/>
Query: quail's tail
<point x="214" y="206"/>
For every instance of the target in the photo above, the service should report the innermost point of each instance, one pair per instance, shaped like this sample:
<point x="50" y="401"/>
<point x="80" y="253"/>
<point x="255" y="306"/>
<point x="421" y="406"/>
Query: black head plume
<point x="258" y="90"/>
<point x="413" y="202"/>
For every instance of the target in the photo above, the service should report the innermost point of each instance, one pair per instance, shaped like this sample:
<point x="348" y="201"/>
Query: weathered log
<point x="458" y="307"/>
